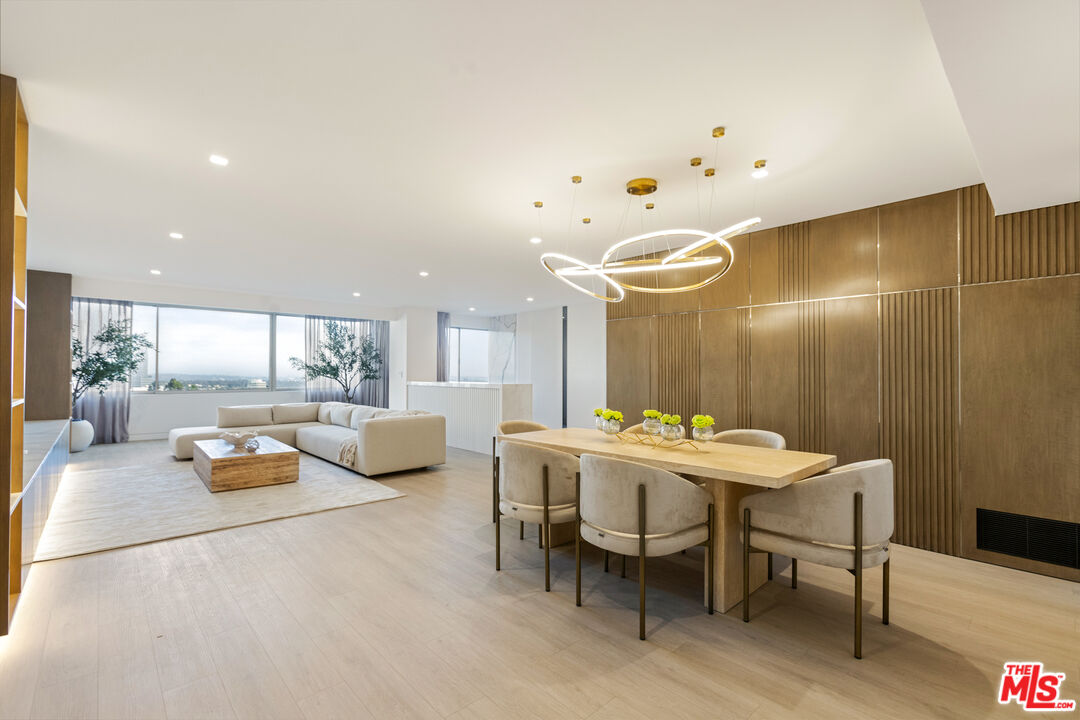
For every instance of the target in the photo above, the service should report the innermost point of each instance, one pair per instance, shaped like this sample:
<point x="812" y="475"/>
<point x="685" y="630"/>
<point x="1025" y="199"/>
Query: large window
<point x="468" y="355"/>
<point x="217" y="350"/>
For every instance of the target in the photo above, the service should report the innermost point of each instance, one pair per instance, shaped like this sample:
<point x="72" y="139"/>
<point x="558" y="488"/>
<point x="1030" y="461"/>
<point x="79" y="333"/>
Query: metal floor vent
<point x="1049" y="541"/>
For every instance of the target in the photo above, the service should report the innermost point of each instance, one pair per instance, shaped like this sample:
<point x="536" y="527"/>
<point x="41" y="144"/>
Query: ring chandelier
<point x="686" y="256"/>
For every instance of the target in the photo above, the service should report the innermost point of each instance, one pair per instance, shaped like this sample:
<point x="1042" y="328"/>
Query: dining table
<point x="728" y="472"/>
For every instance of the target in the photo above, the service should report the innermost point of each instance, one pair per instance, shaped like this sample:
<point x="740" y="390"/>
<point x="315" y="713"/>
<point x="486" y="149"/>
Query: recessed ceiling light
<point x="155" y="272"/>
<point x="219" y="160"/>
<point x="423" y="273"/>
<point x="356" y="294"/>
<point x="472" y="309"/>
<point x="535" y="240"/>
<point x="176" y="236"/>
<point x="528" y="299"/>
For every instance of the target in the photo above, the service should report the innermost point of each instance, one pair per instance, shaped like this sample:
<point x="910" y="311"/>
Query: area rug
<point x="109" y="508"/>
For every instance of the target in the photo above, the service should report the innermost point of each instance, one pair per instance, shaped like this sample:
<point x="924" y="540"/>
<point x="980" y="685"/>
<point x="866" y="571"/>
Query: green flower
<point x="671" y="419"/>
<point x="598" y="412"/>
<point x="651" y="414"/>
<point x="702" y="421"/>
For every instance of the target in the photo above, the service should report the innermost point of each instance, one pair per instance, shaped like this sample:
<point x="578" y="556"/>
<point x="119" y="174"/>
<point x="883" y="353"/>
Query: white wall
<point x="154" y="414"/>
<point x="539" y="361"/>
<point x="398" y="363"/>
<point x="421" y="335"/>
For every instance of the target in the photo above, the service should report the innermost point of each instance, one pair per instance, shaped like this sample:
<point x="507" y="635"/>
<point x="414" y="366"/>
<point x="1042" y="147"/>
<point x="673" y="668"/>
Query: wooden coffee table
<point x="223" y="467"/>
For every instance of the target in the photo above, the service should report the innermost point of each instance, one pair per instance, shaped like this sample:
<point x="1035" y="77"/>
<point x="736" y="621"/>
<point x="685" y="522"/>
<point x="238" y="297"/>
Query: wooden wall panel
<point x="811" y="382"/>
<point x="733" y="289"/>
<point x="725" y="367"/>
<point x="843" y="255"/>
<point x="48" y="342"/>
<point x="1020" y="441"/>
<point x="851" y="379"/>
<point x="630" y="363"/>
<point x="1034" y="243"/>
<point x="919" y="379"/>
<point x="774" y="370"/>
<point x="793" y="262"/>
<point x="764" y="267"/>
<point x="677" y="371"/>
<point x="917" y="243"/>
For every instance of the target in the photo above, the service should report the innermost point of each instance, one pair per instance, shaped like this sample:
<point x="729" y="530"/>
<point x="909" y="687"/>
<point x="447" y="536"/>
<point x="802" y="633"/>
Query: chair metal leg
<point x="794" y="573"/>
<point x="885" y="593"/>
<point x="521" y="529"/>
<point x="641" y="562"/>
<point x="605" y="561"/>
<point x="577" y="535"/>
<point x="858" y="574"/>
<point x="494" y="483"/>
<point x="623" y="565"/>
<point x="710" y="558"/>
<point x="746" y="566"/>
<point x="498" y="549"/>
<point x="547" y="531"/>
<point x="540" y="535"/>
<point x="770" y="566"/>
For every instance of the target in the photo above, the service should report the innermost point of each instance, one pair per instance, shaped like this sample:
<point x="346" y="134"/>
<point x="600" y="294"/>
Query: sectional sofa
<point x="369" y="440"/>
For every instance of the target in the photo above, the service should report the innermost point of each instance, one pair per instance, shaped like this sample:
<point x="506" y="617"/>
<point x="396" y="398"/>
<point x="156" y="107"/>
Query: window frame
<point x="449" y="343"/>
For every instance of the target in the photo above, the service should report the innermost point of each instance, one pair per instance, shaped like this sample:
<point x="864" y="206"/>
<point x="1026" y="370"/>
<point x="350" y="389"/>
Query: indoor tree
<point x="344" y="358"/>
<point x="111" y="356"/>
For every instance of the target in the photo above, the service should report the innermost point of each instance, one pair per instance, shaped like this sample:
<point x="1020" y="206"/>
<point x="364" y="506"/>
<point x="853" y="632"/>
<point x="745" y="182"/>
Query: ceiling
<point x="370" y="141"/>
<point x="1014" y="68"/>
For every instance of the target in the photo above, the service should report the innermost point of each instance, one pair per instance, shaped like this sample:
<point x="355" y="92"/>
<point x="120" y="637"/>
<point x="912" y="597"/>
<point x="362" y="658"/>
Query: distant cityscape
<point x="187" y="382"/>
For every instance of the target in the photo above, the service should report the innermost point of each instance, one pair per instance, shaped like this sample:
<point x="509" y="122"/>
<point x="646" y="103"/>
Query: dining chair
<point x="642" y="511"/>
<point x="842" y="518"/>
<point x="536" y="485"/>
<point x="508" y="427"/>
<point x="755" y="438"/>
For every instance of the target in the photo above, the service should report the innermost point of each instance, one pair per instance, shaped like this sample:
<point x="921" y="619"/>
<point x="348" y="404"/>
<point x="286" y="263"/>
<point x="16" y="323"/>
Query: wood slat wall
<point x="843" y="334"/>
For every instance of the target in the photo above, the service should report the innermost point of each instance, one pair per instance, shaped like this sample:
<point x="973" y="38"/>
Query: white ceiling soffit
<point x="371" y="140"/>
<point x="1014" y="67"/>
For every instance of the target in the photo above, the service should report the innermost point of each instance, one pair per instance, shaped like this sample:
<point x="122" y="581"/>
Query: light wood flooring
<point x="394" y="610"/>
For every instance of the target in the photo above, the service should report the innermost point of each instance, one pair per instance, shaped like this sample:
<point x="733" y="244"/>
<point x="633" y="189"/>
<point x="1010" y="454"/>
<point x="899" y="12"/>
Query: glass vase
<point x="611" y="427"/>
<point x="672" y="432"/>
<point x="651" y="426"/>
<point x="703" y="434"/>
<point x="600" y="423"/>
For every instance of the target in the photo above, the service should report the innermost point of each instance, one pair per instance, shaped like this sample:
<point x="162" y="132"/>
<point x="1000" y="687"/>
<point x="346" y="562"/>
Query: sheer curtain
<point x="371" y="392"/>
<point x="108" y="412"/>
<point x="442" y="348"/>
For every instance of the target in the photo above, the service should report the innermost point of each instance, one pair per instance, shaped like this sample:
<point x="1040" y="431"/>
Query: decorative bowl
<point x="238" y="439"/>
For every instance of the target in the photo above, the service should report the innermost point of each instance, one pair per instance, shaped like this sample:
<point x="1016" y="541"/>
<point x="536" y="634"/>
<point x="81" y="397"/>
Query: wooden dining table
<point x="728" y="472"/>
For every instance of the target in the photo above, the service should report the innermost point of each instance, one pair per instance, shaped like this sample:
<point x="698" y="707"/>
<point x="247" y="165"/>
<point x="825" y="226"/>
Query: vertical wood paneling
<point x="677" y="364"/>
<point x="743" y="363"/>
<point x="793" y="260"/>
<point x="1028" y="244"/>
<point x="920" y="413"/>
<point x="811" y="359"/>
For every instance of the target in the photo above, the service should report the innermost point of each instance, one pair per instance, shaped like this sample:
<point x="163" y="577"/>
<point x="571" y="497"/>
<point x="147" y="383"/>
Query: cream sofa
<point x="386" y="440"/>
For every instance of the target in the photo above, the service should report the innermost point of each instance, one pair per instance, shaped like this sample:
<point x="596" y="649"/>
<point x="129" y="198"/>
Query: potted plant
<point x="651" y="426"/>
<point x="343" y="358"/>
<point x="599" y="413"/>
<point x="702" y="431"/>
<point x="612" y="421"/>
<point x="671" y="429"/>
<point x="110" y="356"/>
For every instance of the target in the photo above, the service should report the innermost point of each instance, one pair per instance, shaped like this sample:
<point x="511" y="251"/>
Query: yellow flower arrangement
<point x="652" y="414"/>
<point x="598" y="412"/>
<point x="670" y="419"/>
<point x="702" y="421"/>
<point x="613" y="415"/>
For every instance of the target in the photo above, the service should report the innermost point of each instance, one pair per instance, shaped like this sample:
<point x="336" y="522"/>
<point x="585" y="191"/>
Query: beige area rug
<point x="110" y="508"/>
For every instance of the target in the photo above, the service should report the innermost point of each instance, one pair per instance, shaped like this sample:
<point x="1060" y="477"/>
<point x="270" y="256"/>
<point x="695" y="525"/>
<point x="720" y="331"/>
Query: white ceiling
<point x="1014" y="67"/>
<point x="369" y="141"/>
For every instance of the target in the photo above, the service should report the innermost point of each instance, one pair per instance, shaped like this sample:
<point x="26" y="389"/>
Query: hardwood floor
<point x="394" y="610"/>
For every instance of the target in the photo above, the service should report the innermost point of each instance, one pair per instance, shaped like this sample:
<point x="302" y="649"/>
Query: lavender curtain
<point x="442" y="348"/>
<point x="108" y="412"/>
<point x="371" y="392"/>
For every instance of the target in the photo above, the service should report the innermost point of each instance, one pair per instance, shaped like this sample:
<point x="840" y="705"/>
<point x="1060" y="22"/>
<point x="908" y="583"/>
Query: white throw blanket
<point x="347" y="452"/>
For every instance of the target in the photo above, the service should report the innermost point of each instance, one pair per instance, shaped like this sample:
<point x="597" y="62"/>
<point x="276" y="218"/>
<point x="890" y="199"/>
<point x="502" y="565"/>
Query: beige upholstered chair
<point x="756" y="438"/>
<point x="507" y="427"/>
<point x="842" y="518"/>
<point x="634" y="509"/>
<point x="536" y="485"/>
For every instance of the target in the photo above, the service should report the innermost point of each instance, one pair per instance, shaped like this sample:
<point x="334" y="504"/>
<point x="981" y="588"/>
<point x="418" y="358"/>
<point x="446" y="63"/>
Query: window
<point x="290" y="344"/>
<point x="468" y="355"/>
<point x="144" y="322"/>
<point x="212" y="350"/>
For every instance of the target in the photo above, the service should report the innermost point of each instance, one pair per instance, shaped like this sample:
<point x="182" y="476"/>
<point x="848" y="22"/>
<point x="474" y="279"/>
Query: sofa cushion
<point x="323" y="440"/>
<point x="241" y="415"/>
<point x="182" y="440"/>
<point x="324" y="411"/>
<point x="364" y="412"/>
<point x="296" y="412"/>
<point x="341" y="415"/>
